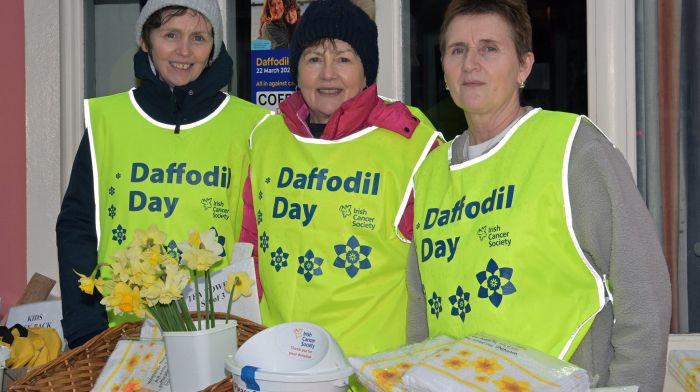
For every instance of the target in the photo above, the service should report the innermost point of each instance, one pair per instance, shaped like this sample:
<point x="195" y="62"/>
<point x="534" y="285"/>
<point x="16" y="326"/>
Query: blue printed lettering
<point x="138" y="201"/>
<point x="439" y="249"/>
<point x="139" y="172"/>
<point x="472" y="209"/>
<point x="318" y="179"/>
<point x="303" y="212"/>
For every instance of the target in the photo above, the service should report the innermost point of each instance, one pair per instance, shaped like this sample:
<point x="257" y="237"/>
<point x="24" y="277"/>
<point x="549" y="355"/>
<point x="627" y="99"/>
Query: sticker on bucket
<point x="302" y="343"/>
<point x="294" y="356"/>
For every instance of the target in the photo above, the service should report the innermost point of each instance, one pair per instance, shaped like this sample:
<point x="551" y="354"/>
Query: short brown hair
<point x="514" y="12"/>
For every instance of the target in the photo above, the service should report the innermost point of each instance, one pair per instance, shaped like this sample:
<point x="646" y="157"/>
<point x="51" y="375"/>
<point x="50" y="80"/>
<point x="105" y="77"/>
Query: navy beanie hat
<point x="339" y="19"/>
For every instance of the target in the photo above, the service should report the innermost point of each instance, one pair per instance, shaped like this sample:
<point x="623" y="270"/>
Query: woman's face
<point x="292" y="16"/>
<point x="181" y="47"/>
<point x="481" y="65"/>
<point x="328" y="77"/>
<point x="276" y="9"/>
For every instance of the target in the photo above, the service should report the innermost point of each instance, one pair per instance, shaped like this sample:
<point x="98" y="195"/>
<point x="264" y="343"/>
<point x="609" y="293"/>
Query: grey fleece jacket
<point x="626" y="344"/>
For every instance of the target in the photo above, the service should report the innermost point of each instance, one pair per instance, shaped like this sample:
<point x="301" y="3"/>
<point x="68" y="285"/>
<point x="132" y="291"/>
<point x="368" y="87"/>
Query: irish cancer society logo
<point x="302" y="344"/>
<point x="360" y="217"/>
<point x="346" y="210"/>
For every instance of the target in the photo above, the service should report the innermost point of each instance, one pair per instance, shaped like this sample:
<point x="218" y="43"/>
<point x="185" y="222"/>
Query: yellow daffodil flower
<point x="206" y="240"/>
<point x="153" y="255"/>
<point x="87" y="283"/>
<point x="194" y="239"/>
<point x="125" y="300"/>
<point x="153" y="292"/>
<point x="239" y="283"/>
<point x="149" y="237"/>
<point x="199" y="259"/>
<point x="179" y="277"/>
<point x="176" y="280"/>
<point x="100" y="285"/>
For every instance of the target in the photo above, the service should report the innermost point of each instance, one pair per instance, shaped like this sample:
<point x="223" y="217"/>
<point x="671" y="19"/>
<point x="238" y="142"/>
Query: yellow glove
<point x="22" y="348"/>
<point x="47" y="345"/>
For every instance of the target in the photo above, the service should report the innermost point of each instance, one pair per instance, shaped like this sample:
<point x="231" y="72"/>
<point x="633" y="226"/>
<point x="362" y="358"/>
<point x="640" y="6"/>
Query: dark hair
<point x="161" y="17"/>
<point x="514" y="12"/>
<point x="292" y="5"/>
<point x="321" y="42"/>
<point x="266" y="17"/>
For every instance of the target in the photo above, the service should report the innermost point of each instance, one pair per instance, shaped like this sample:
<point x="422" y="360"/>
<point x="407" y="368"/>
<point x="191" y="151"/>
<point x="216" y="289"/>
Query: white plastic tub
<point x="290" y="357"/>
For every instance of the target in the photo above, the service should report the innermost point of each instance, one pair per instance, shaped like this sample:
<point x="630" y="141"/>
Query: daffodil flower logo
<point x="487" y="365"/>
<point x="264" y="242"/>
<point x="495" y="282"/>
<point x="460" y="303"/>
<point x="172" y="249"/>
<point x="279" y="259"/>
<point x="387" y="378"/>
<point x="509" y="384"/>
<point x="455" y="363"/>
<point x="309" y="265"/>
<point x="119" y="234"/>
<point x="435" y="305"/>
<point x="352" y="256"/>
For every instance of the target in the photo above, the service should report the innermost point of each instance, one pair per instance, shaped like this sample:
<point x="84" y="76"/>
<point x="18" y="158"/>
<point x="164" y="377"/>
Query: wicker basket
<point x="225" y="385"/>
<point x="78" y="369"/>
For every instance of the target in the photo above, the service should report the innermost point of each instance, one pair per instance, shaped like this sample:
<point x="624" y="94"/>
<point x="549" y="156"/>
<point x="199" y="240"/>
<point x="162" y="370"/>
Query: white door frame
<point x="611" y="73"/>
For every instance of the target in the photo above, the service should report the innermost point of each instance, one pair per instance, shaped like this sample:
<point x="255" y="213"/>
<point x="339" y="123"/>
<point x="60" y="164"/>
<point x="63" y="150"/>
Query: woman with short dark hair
<point x="529" y="225"/>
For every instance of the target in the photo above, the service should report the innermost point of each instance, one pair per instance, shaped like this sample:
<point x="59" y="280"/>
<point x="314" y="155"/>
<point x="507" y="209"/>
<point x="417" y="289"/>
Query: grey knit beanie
<point x="339" y="19"/>
<point x="208" y="8"/>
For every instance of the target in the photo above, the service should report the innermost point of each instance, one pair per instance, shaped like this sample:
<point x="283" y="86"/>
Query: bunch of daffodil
<point x="150" y="276"/>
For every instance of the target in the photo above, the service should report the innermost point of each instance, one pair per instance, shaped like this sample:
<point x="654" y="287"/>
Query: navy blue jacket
<point x="76" y="237"/>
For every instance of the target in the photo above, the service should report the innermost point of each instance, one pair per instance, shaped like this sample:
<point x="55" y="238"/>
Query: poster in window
<point x="272" y="25"/>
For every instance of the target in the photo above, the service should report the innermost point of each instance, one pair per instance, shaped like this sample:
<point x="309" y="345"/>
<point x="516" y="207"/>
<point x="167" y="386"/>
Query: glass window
<point x="558" y="80"/>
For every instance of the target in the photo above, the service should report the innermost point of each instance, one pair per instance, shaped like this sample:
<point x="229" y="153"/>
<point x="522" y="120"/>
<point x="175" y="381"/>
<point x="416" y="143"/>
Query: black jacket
<point x="76" y="237"/>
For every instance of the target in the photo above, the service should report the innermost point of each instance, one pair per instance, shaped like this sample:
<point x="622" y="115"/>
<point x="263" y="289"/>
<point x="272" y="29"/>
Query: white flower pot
<point x="197" y="359"/>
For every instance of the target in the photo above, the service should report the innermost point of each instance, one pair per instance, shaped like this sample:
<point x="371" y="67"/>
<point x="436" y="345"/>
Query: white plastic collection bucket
<point x="196" y="359"/>
<point x="290" y="357"/>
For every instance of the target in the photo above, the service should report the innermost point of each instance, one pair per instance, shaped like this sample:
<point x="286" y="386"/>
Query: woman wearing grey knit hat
<point x="332" y="213"/>
<point x="162" y="153"/>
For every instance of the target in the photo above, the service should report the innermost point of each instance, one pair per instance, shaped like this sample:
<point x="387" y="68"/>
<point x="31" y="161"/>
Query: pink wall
<point x="13" y="162"/>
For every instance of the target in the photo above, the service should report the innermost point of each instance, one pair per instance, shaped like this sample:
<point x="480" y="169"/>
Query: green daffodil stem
<point x="187" y="318"/>
<point x="230" y="302"/>
<point x="210" y="300"/>
<point x="167" y="325"/>
<point x="159" y="315"/>
<point x="178" y="316"/>
<point x="196" y="293"/>
<point x="236" y="283"/>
